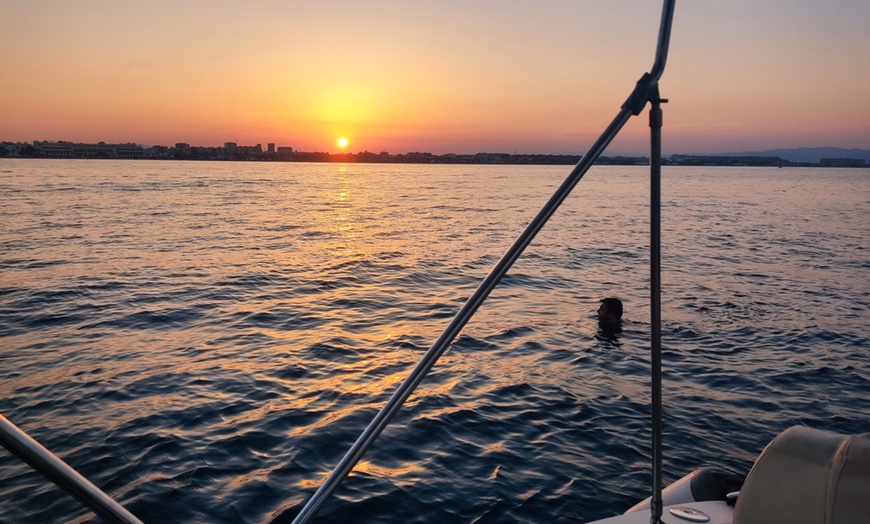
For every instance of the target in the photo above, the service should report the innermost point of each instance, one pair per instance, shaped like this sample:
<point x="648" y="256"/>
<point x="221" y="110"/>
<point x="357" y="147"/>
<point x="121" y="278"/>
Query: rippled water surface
<point x="205" y="340"/>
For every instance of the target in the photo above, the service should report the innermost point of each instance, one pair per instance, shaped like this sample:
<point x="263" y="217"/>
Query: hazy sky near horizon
<point x="461" y="76"/>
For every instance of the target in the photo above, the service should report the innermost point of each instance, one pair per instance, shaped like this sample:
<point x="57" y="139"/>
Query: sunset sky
<point x="464" y="76"/>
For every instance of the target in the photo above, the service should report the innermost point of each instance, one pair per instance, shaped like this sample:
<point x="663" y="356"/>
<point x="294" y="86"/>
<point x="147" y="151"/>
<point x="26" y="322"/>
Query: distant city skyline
<point x="441" y="76"/>
<point x="826" y="156"/>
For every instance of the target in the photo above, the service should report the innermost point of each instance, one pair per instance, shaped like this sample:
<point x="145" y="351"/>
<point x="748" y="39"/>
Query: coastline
<point x="475" y="159"/>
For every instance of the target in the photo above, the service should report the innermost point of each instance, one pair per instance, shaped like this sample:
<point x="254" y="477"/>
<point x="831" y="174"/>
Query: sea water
<point x="205" y="340"/>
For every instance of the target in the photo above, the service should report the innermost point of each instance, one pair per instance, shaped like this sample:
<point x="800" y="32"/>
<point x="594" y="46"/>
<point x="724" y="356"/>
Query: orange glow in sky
<point x="433" y="75"/>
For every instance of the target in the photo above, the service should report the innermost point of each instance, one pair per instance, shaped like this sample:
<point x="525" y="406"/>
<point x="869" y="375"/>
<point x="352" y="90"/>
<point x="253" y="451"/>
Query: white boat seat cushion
<point x="808" y="476"/>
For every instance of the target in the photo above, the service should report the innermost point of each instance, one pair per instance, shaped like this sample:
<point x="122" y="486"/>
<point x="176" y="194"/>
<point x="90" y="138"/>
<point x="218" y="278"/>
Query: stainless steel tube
<point x="468" y="309"/>
<point x="664" y="39"/>
<point x="655" y="289"/>
<point x="377" y="425"/>
<point x="54" y="469"/>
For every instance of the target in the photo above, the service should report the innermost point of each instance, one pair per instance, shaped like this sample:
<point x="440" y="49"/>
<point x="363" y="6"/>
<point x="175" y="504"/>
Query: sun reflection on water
<point x="374" y="470"/>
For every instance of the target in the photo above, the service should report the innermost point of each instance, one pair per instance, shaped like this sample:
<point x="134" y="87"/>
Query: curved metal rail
<point x="645" y="89"/>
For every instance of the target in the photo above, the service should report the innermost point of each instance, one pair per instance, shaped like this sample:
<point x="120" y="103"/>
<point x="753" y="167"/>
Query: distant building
<point x="78" y="150"/>
<point x="53" y="149"/>
<point x="234" y="151"/>
<point x="158" y="152"/>
<point x="843" y="162"/>
<point x="181" y="150"/>
<point x="9" y="149"/>
<point x="270" y="148"/>
<point x="206" y="153"/>
<point x="720" y="160"/>
<point x="126" y="151"/>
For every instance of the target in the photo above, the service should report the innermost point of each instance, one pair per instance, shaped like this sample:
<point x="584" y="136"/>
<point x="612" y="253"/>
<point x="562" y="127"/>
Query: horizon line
<point x="515" y="153"/>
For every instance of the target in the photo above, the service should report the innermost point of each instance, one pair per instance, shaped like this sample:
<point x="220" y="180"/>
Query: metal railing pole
<point x="56" y="470"/>
<point x="655" y="123"/>
<point x="655" y="283"/>
<point x="632" y="106"/>
<point x="465" y="313"/>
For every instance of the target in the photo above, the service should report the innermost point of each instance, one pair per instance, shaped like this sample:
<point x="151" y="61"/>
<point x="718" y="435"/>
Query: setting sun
<point x="342" y="142"/>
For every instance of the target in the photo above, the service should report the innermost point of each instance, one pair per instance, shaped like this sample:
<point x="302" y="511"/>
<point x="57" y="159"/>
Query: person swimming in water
<point x="610" y="315"/>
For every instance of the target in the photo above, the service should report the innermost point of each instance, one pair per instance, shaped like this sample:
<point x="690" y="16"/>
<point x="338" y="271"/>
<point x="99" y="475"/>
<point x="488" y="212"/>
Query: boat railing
<point x="646" y="90"/>
<point x="56" y="470"/>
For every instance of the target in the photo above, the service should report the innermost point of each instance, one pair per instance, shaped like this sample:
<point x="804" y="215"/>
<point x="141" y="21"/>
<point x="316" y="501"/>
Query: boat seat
<point x="808" y="476"/>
